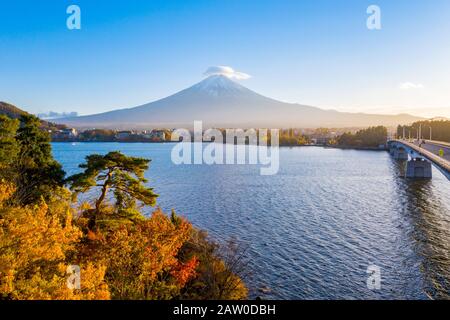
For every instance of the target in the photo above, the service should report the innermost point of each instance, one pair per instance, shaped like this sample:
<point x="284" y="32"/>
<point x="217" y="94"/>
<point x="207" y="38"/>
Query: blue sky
<point x="312" y="52"/>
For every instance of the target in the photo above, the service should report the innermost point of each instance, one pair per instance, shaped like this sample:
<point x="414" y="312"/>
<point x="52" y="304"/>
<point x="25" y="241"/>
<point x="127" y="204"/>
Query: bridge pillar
<point x="418" y="168"/>
<point x="400" y="154"/>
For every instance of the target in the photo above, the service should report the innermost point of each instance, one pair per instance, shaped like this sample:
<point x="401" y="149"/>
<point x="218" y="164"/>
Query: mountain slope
<point x="221" y="102"/>
<point x="14" y="112"/>
<point x="10" y="110"/>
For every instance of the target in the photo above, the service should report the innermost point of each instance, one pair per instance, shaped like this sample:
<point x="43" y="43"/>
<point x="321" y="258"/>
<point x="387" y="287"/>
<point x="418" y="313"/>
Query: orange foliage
<point x="142" y="258"/>
<point x="183" y="272"/>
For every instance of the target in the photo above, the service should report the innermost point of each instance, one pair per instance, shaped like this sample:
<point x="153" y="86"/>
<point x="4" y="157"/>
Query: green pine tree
<point x="8" y="145"/>
<point x="120" y="176"/>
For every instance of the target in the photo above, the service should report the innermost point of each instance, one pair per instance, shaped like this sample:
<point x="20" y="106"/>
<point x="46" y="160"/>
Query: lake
<point x="313" y="229"/>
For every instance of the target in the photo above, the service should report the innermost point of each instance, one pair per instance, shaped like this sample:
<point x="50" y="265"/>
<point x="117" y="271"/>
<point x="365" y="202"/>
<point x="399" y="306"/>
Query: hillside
<point x="15" y="113"/>
<point x="10" y="110"/>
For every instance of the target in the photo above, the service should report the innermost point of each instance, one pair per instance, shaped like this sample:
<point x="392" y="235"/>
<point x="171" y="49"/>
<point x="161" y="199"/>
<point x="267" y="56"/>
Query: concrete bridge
<point x="420" y="155"/>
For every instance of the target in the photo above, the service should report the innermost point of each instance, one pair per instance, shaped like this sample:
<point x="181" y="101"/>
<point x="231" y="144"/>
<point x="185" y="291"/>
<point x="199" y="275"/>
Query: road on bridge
<point x="435" y="146"/>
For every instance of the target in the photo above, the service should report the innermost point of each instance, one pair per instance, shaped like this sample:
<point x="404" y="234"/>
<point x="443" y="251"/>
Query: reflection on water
<point x="430" y="231"/>
<point x="314" y="228"/>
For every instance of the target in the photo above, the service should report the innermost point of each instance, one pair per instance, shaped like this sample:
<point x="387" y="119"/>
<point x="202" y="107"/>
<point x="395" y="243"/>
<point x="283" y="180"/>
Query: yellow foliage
<point x="93" y="285"/>
<point x="35" y="243"/>
<point x="6" y="191"/>
<point x="147" y="259"/>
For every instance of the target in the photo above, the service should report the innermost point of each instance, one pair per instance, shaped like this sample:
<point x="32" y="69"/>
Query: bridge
<point x="420" y="155"/>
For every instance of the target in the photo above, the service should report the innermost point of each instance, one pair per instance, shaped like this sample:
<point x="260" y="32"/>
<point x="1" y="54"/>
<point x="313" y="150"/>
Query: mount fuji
<point x="223" y="103"/>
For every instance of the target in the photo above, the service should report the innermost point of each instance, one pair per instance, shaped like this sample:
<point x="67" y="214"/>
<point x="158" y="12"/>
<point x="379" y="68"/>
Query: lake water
<point x="313" y="229"/>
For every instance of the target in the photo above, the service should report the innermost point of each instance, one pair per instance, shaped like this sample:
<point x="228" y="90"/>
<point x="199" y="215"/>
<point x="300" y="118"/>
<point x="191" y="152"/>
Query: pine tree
<point x="8" y="145"/>
<point x="121" y="175"/>
<point x="37" y="173"/>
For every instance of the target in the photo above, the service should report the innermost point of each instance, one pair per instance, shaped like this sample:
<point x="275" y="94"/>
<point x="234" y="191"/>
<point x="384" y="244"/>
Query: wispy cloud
<point x="410" y="86"/>
<point x="227" y="72"/>
<point x="56" y="115"/>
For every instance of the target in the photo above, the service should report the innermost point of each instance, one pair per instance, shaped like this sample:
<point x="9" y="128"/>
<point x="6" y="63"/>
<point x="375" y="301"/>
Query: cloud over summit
<point x="227" y="72"/>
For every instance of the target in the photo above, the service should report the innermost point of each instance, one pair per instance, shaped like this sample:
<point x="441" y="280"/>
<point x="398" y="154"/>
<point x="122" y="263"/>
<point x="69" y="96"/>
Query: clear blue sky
<point x="316" y="52"/>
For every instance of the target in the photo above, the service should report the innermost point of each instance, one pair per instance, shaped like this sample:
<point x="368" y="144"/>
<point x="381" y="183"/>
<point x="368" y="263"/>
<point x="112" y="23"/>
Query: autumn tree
<point x="37" y="244"/>
<point x="143" y="258"/>
<point x="221" y="271"/>
<point x="120" y="175"/>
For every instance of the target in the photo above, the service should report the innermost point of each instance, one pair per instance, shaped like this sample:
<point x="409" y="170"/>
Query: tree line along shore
<point x="364" y="138"/>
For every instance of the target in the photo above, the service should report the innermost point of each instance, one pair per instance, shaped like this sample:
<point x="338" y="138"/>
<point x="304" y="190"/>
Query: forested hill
<point x="10" y="110"/>
<point x="14" y="112"/>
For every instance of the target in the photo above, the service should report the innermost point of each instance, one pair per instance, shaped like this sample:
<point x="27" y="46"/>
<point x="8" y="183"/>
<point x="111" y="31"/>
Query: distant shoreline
<point x="357" y="148"/>
<point x="147" y="142"/>
<point x="281" y="146"/>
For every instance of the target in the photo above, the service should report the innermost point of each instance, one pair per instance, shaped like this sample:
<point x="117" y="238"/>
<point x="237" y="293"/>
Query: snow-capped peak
<point x="218" y="85"/>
